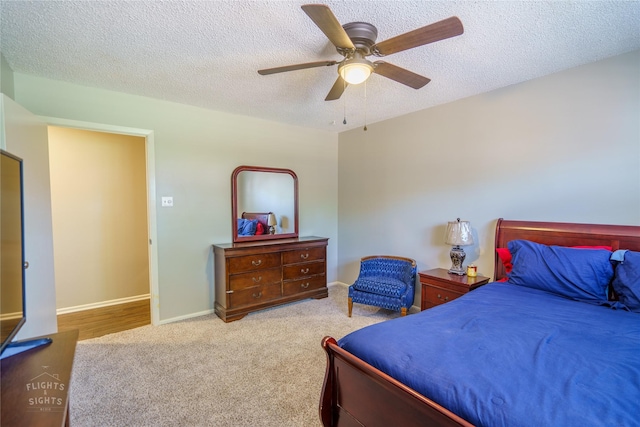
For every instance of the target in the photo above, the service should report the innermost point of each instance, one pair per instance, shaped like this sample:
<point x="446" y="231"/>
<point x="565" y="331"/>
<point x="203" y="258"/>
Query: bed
<point x="509" y="353"/>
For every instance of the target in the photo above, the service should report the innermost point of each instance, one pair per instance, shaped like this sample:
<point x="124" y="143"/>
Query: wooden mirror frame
<point x="234" y="204"/>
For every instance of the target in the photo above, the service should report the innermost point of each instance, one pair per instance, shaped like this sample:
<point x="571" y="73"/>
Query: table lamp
<point x="458" y="234"/>
<point x="271" y="222"/>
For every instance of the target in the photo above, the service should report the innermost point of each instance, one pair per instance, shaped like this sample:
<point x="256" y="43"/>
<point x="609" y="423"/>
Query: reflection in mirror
<point x="264" y="203"/>
<point x="267" y="192"/>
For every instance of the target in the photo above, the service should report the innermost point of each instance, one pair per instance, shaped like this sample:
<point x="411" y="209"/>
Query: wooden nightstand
<point x="438" y="286"/>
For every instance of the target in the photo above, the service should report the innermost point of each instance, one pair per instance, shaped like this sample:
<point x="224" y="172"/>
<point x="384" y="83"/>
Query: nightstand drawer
<point x="438" y="286"/>
<point x="436" y="296"/>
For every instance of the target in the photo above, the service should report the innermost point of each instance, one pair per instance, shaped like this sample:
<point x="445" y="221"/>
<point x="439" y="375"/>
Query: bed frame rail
<point x="354" y="392"/>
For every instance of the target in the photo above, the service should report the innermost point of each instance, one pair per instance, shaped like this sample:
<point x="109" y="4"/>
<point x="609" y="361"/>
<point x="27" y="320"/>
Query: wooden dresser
<point x="255" y="275"/>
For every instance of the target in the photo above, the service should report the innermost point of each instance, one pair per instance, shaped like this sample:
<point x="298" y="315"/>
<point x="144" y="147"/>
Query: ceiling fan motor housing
<point x="362" y="34"/>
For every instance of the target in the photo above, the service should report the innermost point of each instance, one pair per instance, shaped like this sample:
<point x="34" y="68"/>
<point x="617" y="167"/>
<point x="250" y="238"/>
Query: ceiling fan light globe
<point x="355" y="72"/>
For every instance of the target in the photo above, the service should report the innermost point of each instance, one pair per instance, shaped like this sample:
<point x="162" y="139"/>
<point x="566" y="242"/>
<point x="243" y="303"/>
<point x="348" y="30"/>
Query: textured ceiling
<point x="207" y="53"/>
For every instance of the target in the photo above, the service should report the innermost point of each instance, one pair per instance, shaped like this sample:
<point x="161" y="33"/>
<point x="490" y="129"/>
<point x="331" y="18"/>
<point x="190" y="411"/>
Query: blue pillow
<point x="247" y="227"/>
<point x="626" y="281"/>
<point x="578" y="274"/>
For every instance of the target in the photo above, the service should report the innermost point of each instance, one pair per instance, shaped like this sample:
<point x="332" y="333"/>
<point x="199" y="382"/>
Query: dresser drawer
<point x="253" y="262"/>
<point x="436" y="296"/>
<point x="255" y="278"/>
<point x="303" y="255"/>
<point x="303" y="270"/>
<point x="302" y="285"/>
<point x="254" y="295"/>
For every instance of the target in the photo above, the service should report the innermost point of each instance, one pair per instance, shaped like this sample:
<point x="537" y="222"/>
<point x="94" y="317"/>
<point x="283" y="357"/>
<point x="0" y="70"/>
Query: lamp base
<point x="272" y="229"/>
<point x="457" y="258"/>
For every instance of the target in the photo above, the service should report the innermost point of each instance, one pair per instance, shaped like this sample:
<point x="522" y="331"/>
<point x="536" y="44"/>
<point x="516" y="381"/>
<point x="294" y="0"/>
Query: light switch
<point x="167" y="201"/>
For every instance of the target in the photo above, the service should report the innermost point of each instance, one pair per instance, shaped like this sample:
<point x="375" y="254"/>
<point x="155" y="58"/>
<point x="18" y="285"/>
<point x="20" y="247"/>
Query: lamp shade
<point x="458" y="233"/>
<point x="272" y="220"/>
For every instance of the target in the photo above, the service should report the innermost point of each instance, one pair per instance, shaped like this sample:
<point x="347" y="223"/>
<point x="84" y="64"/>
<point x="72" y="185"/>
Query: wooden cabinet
<point x="438" y="286"/>
<point x="255" y="275"/>
<point x="35" y="384"/>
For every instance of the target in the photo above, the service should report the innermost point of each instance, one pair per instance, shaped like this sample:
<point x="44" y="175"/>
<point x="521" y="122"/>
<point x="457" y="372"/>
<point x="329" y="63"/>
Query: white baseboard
<point x="211" y="311"/>
<point x="101" y="304"/>
<point x="165" y="321"/>
<point x="338" y="284"/>
<point x="186" y="316"/>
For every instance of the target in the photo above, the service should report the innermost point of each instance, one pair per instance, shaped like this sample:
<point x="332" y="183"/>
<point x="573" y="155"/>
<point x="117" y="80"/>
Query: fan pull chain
<point x="344" y="102"/>
<point x="365" y="106"/>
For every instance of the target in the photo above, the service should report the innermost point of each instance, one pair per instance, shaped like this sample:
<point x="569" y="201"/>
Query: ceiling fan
<point x="357" y="40"/>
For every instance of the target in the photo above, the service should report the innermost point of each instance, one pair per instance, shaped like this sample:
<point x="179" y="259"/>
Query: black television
<point x="12" y="290"/>
<point x="12" y="260"/>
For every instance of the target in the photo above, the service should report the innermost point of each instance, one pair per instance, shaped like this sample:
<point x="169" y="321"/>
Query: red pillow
<point x="259" y="229"/>
<point x="505" y="256"/>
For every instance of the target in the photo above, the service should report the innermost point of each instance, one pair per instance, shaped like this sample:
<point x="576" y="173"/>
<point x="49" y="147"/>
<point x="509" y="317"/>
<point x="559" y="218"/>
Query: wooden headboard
<point x="564" y="234"/>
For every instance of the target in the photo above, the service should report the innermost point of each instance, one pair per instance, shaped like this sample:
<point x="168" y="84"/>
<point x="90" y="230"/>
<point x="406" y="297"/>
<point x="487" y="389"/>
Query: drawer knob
<point x="304" y="256"/>
<point x="256" y="280"/>
<point x="304" y="270"/>
<point x="256" y="263"/>
<point x="304" y="285"/>
<point x="258" y="295"/>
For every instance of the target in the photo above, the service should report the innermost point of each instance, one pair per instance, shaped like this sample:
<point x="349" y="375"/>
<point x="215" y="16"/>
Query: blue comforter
<point x="505" y="355"/>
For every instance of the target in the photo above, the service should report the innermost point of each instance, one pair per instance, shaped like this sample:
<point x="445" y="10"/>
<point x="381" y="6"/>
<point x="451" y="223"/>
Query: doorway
<point x="104" y="227"/>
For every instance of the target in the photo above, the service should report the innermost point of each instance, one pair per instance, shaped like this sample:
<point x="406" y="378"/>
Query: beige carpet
<point x="263" y="370"/>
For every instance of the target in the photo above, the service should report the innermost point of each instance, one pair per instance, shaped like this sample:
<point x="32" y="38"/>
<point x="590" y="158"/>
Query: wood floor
<point x="106" y="320"/>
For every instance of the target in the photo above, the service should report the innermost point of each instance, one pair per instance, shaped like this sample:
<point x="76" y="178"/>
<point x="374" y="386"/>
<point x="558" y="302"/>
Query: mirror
<point x="264" y="203"/>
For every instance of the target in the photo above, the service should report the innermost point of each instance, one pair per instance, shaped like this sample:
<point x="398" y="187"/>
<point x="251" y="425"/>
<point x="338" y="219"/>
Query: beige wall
<point x="196" y="150"/>
<point x="99" y="211"/>
<point x="565" y="147"/>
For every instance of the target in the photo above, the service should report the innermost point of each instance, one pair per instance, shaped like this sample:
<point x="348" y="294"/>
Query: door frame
<point x="151" y="193"/>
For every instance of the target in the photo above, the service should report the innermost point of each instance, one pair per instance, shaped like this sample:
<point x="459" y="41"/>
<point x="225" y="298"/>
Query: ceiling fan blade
<point x="322" y="16"/>
<point x="296" y="67"/>
<point x="440" y="30"/>
<point x="400" y="75"/>
<point x="337" y="89"/>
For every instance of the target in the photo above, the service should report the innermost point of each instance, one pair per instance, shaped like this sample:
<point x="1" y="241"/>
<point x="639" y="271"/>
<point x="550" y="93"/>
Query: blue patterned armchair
<point x="384" y="281"/>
